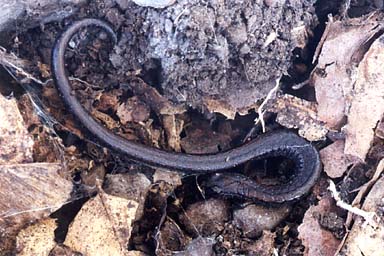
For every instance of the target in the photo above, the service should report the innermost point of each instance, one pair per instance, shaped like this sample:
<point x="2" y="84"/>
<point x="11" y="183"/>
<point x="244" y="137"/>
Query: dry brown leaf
<point x="365" y="239"/>
<point x="16" y="145"/>
<point x="317" y="241"/>
<point x="293" y="112"/>
<point x="335" y="162"/>
<point x="29" y="192"/>
<point x="103" y="226"/>
<point x="367" y="105"/>
<point x="343" y="47"/>
<point x="37" y="239"/>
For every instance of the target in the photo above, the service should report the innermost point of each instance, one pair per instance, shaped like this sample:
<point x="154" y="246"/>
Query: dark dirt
<point x="212" y="50"/>
<point x="190" y="52"/>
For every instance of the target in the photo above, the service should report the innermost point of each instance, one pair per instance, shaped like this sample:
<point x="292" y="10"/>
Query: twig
<point x="368" y="216"/>
<point x="260" y="111"/>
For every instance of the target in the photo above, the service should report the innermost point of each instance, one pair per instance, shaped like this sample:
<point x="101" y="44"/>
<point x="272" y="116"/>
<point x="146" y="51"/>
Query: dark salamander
<point x="282" y="143"/>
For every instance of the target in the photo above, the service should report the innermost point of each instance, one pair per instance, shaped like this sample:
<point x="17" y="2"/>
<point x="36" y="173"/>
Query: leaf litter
<point x="140" y="212"/>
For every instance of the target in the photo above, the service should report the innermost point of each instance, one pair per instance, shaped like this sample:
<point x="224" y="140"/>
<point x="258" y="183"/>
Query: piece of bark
<point x="103" y="226"/>
<point x="367" y="105"/>
<point x="37" y="239"/>
<point x="335" y="161"/>
<point x="28" y="192"/>
<point x="16" y="145"/>
<point x="17" y="13"/>
<point x="365" y="239"/>
<point x="293" y="112"/>
<point x="343" y="46"/>
<point x="317" y="241"/>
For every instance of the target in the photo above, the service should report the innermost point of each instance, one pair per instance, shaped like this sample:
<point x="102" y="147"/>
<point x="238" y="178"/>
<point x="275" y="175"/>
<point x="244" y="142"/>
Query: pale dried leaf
<point x="367" y="106"/>
<point x="103" y="226"/>
<point x="37" y="239"/>
<point x="317" y="241"/>
<point x="365" y="239"/>
<point x="29" y="192"/>
<point x="15" y="143"/>
<point x="335" y="162"/>
<point x="333" y="78"/>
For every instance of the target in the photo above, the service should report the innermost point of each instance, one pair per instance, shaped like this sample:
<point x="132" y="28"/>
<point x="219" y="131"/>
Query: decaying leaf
<point x="365" y="239"/>
<point x="317" y="240"/>
<point x="293" y="112"/>
<point x="15" y="143"/>
<point x="29" y="192"/>
<point x="37" y="239"/>
<point x="334" y="160"/>
<point x="103" y="226"/>
<point x="367" y="105"/>
<point x="343" y="45"/>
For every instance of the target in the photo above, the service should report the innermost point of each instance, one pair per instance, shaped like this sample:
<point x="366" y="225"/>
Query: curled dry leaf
<point x="365" y="239"/>
<point x="29" y="192"/>
<point x="317" y="241"/>
<point x="37" y="239"/>
<point x="293" y="112"/>
<point x="103" y="226"/>
<point x="16" y="145"/>
<point x="343" y="45"/>
<point x="335" y="162"/>
<point x="367" y="105"/>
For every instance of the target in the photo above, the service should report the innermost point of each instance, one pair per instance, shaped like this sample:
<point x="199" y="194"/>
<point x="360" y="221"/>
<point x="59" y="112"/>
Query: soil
<point x="213" y="49"/>
<point x="191" y="52"/>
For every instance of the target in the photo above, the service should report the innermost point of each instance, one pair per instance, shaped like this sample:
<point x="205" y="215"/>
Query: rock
<point x="253" y="219"/>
